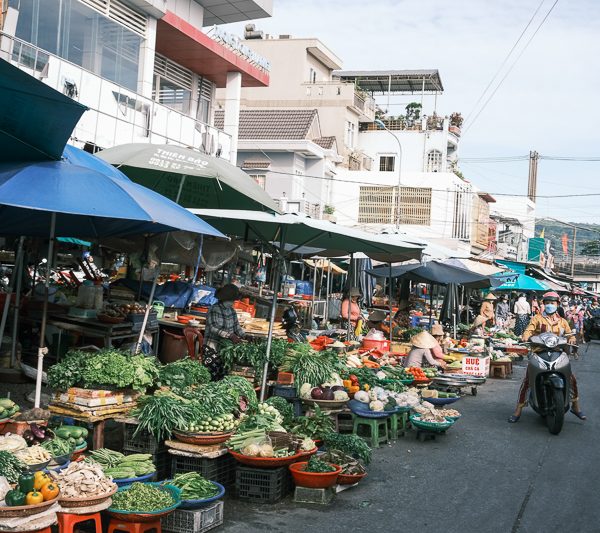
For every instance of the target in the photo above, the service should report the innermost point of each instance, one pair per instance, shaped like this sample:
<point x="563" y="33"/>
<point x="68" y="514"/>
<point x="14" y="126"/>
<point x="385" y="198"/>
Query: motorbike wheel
<point x="555" y="420"/>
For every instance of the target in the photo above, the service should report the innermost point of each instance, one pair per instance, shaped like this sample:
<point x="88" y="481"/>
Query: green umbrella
<point x="208" y="182"/>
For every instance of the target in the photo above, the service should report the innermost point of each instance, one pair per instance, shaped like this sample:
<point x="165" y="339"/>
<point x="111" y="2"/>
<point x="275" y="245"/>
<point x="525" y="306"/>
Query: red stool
<point x="133" y="527"/>
<point x="68" y="521"/>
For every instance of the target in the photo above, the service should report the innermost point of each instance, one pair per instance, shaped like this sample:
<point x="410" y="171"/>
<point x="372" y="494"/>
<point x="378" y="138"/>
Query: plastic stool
<point x="133" y="527"/>
<point x="68" y="521"/>
<point x="397" y="429"/>
<point x="378" y="428"/>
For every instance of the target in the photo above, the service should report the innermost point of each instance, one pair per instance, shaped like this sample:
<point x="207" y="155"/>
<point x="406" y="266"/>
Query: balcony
<point x="116" y="115"/>
<point x="328" y="91"/>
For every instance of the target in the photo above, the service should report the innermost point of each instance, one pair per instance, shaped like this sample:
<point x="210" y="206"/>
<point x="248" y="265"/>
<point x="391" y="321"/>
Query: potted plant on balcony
<point x="328" y="213"/>
<point x="413" y="114"/>
<point x="456" y="121"/>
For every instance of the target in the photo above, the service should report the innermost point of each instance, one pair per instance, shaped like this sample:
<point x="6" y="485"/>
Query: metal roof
<point x="394" y="81"/>
<point x="271" y="124"/>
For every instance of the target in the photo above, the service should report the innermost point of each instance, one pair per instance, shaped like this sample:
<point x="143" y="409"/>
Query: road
<point x="484" y="476"/>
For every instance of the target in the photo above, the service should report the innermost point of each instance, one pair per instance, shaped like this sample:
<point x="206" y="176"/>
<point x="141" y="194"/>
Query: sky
<point x="547" y="103"/>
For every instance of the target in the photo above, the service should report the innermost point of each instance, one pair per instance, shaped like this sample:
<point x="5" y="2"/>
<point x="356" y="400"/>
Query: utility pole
<point x="532" y="182"/>
<point x="573" y="254"/>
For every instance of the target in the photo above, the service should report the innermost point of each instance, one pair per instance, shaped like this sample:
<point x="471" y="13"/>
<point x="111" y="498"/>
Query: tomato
<point x="34" y="497"/>
<point x="49" y="491"/>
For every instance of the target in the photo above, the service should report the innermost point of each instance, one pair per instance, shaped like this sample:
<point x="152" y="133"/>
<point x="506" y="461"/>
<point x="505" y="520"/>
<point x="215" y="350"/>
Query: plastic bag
<point x="258" y="447"/>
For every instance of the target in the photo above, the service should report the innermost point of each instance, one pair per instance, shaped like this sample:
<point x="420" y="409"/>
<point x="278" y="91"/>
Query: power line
<point x="511" y="67"/>
<point x="514" y="46"/>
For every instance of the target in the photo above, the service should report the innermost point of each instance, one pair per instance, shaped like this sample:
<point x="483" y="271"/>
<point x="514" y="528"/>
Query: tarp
<point x="485" y="269"/>
<point x="24" y="137"/>
<point x="208" y="182"/>
<point x="517" y="282"/>
<point x="436" y="273"/>
<point x="333" y="240"/>
<point x="324" y="264"/>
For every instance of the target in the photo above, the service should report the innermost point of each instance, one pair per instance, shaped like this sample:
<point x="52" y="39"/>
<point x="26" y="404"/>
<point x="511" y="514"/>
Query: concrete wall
<point x="189" y="10"/>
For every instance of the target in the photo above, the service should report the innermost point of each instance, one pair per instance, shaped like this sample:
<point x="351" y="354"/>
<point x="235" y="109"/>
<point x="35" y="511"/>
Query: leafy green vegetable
<point x="161" y="413"/>
<point x="315" y="426"/>
<point x="349" y="444"/>
<point x="253" y="354"/>
<point x="310" y="366"/>
<point x="285" y="408"/>
<point x="10" y="467"/>
<point x="108" y="368"/>
<point x="317" y="466"/>
<point x="183" y="373"/>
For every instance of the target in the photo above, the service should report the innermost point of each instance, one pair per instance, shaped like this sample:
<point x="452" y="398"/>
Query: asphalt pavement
<point x="485" y="475"/>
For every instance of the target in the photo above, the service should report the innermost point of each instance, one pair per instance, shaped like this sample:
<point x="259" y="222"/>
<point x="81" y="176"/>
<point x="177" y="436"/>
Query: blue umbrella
<point x="512" y="281"/>
<point x="88" y="198"/>
<point x="77" y="197"/>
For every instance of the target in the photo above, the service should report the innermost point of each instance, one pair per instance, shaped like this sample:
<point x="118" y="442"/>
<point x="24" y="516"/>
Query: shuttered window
<point x="121" y="13"/>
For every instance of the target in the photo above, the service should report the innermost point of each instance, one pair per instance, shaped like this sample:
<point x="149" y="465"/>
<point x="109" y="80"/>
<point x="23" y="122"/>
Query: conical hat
<point x="424" y="340"/>
<point x="490" y="296"/>
<point x="437" y="329"/>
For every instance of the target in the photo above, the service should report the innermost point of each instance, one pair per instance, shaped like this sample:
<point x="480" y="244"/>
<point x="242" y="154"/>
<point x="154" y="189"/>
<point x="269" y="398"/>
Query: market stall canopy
<point x="512" y="281"/>
<point x="485" y="269"/>
<point x="323" y="264"/>
<point x="435" y="273"/>
<point x="87" y="201"/>
<point x="208" y="182"/>
<point x="332" y="239"/>
<point x="35" y="120"/>
<point x="554" y="283"/>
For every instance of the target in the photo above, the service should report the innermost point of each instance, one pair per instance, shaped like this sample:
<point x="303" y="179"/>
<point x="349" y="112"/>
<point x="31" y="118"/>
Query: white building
<point x="144" y="68"/>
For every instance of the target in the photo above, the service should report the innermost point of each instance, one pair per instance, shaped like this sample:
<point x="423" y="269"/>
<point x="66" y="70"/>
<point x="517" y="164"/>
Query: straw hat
<point x="353" y="292"/>
<point x="377" y="316"/>
<point x="437" y="329"/>
<point x="490" y="296"/>
<point x="424" y="340"/>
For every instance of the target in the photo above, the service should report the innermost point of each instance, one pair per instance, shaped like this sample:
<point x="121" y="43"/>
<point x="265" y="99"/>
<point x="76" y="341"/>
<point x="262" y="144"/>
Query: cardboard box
<point x="476" y="366"/>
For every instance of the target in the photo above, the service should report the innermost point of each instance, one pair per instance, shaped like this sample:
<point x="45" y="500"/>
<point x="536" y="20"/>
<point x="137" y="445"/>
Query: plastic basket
<point x="221" y="469"/>
<point x="285" y="391"/>
<point x="261" y="485"/>
<point x="182" y="521"/>
<point x="175" y="492"/>
<point x="143" y="442"/>
<point x="432" y="426"/>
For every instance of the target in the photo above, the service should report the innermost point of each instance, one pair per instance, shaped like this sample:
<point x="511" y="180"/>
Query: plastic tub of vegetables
<point x="196" y="491"/>
<point x="315" y="474"/>
<point x="144" y="502"/>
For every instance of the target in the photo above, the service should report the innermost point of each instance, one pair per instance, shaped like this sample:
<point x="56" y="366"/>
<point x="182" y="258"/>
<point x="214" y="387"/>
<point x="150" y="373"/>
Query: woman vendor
<point x="350" y="309"/>
<point x="423" y="345"/>
<point x="377" y="320"/>
<point x="487" y="311"/>
<point x="221" y="325"/>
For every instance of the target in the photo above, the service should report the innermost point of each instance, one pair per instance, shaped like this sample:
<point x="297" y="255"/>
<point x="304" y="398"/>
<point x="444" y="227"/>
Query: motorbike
<point x="591" y="329"/>
<point x="549" y="372"/>
<point x="291" y="326"/>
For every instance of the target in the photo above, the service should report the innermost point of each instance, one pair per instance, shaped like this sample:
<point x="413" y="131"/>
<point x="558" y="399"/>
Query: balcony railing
<point x="335" y="90"/>
<point x="116" y="115"/>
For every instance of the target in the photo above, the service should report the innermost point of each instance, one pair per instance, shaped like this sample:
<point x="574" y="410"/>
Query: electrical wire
<point x="514" y="46"/>
<point x="469" y="125"/>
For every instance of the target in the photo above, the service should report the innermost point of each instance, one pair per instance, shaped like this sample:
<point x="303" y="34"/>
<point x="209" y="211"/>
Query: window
<point x="415" y="206"/>
<point x="461" y="223"/>
<point x="434" y="161"/>
<point x="83" y="36"/>
<point x="376" y="205"/>
<point x="349" y="134"/>
<point x="293" y="207"/>
<point x="312" y="75"/>
<point x="206" y="90"/>
<point x="260" y="179"/>
<point x="387" y="163"/>
<point x="172" y="84"/>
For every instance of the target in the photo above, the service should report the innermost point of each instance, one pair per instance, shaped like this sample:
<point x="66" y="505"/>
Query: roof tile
<point x="272" y="124"/>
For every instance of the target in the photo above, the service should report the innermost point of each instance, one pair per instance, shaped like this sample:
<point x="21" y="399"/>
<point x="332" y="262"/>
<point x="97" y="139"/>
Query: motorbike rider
<point x="548" y="321"/>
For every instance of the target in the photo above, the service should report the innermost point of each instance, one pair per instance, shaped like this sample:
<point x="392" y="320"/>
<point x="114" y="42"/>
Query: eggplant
<point x="37" y="431"/>
<point x="29" y="437"/>
<point x="338" y="387"/>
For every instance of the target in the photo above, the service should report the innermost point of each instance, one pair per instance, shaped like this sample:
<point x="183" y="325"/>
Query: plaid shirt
<point x="221" y="323"/>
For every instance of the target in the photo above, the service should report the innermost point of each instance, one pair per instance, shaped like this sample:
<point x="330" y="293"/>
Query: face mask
<point x="550" y="308"/>
<point x="227" y="304"/>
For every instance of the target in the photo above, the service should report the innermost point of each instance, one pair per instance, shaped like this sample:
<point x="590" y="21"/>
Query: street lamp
<point x="381" y="125"/>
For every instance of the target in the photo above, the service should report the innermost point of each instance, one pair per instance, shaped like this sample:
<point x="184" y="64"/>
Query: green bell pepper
<point x="14" y="498"/>
<point x="26" y="481"/>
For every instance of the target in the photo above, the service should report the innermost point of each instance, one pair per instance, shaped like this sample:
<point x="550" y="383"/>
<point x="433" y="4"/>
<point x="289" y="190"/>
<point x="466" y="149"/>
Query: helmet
<point x="549" y="296"/>
<point x="290" y="317"/>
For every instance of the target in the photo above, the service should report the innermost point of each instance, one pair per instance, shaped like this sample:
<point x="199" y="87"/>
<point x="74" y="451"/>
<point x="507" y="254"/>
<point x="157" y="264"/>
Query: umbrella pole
<point x="312" y="307"/>
<point x="348" y="326"/>
<point x="326" y="317"/>
<point x="11" y="285"/>
<point x="276" y="266"/>
<point x="391" y="307"/>
<point x="13" y="348"/>
<point x="42" y="350"/>
<point x="430" y="304"/>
